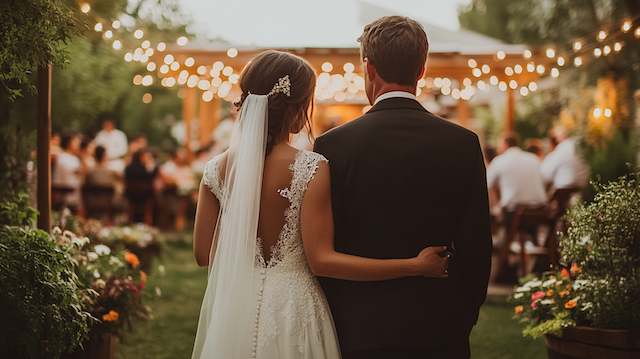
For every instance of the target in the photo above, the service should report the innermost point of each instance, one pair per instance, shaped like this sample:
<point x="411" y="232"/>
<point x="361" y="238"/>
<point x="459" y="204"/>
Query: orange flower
<point x="112" y="316"/>
<point x="571" y="304"/>
<point x="565" y="273"/>
<point x="563" y="293"/>
<point x="550" y="293"/>
<point x="575" y="269"/>
<point x="132" y="259"/>
<point x="143" y="279"/>
<point x="518" y="309"/>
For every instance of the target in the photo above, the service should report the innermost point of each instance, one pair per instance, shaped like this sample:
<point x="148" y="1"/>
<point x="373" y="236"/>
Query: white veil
<point x="227" y="322"/>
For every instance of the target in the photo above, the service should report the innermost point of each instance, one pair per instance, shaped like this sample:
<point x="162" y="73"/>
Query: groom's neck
<point x="388" y="87"/>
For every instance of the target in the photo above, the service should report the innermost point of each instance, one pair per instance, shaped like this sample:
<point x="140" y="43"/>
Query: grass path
<point x="170" y="334"/>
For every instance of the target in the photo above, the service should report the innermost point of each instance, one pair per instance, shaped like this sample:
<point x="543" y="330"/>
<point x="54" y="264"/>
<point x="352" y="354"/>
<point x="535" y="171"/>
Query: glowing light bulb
<point x="626" y="25"/>
<point x="517" y="69"/>
<point x="168" y="59"/>
<point x="189" y="61"/>
<point x="597" y="52"/>
<point x="527" y="54"/>
<point x="533" y="86"/>
<point x="555" y="72"/>
<point x="617" y="46"/>
<point x="115" y="24"/>
<point x="551" y="53"/>
<point x="508" y="71"/>
<point x="147" y="80"/>
<point x="501" y="55"/>
<point x="472" y="63"/>
<point x="98" y="27"/>
<point x="161" y="46"/>
<point x="476" y="72"/>
<point x="486" y="69"/>
<point x="232" y="52"/>
<point x="524" y="91"/>
<point x="147" y="98"/>
<point x="560" y="61"/>
<point x="117" y="45"/>
<point x="182" y="40"/>
<point x="577" y="61"/>
<point x="348" y="67"/>
<point x="327" y="67"/>
<point x="602" y="35"/>
<point x="577" y="46"/>
<point x="138" y="34"/>
<point x="85" y="8"/>
<point x="151" y="66"/>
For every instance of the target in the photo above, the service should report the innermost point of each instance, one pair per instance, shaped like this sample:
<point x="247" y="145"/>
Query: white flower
<point x="96" y="274"/>
<point x="546" y="301"/>
<point x="92" y="256"/>
<point x="115" y="261"/>
<point x="100" y="283"/>
<point x="102" y="250"/>
<point x="549" y="282"/>
<point x="518" y="296"/>
<point x="584" y="240"/>
<point x="161" y="269"/>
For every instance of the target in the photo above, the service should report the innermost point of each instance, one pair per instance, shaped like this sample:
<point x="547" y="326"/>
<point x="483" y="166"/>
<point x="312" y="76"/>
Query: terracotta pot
<point x="593" y="343"/>
<point x="99" y="346"/>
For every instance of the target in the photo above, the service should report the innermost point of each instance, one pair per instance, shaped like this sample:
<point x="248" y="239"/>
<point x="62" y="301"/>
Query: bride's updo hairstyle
<point x="287" y="114"/>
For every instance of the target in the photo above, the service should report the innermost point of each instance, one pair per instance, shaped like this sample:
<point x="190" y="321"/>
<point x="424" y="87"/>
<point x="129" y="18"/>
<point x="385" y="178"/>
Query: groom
<point x="403" y="178"/>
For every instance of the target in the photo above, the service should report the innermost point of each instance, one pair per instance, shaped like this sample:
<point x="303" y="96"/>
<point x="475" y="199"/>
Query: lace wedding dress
<point x="292" y="320"/>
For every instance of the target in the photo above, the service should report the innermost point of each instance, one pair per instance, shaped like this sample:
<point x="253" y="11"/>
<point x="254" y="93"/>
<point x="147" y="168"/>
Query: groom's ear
<point x="370" y="69"/>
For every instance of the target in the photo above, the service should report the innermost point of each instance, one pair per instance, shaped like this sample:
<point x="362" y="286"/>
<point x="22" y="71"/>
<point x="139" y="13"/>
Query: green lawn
<point x="170" y="334"/>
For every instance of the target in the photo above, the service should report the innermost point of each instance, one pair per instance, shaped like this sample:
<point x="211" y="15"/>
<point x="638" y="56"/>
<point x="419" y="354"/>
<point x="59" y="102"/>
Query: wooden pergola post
<point x="510" y="113"/>
<point x="188" y="112"/>
<point x="43" y="150"/>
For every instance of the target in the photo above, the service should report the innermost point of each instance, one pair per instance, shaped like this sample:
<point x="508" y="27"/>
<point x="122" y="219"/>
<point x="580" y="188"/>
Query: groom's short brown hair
<point x="397" y="46"/>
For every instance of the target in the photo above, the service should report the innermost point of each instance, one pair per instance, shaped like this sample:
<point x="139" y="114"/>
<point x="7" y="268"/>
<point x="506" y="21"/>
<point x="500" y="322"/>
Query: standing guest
<point x="112" y="139"/>
<point x="137" y="143"/>
<point x="101" y="175"/>
<point x="489" y="154"/>
<point x="139" y="177"/>
<point x="564" y="167"/>
<point x="67" y="176"/>
<point x="516" y="174"/>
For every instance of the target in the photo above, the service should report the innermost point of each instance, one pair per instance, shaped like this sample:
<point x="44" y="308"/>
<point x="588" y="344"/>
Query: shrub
<point x="39" y="296"/>
<point x="604" y="238"/>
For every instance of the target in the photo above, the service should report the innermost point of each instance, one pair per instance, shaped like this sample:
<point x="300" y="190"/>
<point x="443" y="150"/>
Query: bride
<point x="264" y="227"/>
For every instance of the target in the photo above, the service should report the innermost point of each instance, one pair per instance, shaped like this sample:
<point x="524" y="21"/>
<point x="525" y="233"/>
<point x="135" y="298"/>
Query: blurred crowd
<point x="530" y="190"/>
<point x="110" y="175"/>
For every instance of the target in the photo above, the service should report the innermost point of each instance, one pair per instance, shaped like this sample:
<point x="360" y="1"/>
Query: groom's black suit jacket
<point x="402" y="179"/>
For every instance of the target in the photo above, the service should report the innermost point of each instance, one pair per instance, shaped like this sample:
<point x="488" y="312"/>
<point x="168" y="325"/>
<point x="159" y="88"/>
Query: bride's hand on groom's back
<point x="433" y="262"/>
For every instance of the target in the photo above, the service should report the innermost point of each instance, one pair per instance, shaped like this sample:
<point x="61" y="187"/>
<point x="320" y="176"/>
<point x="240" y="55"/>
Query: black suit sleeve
<point x="473" y="248"/>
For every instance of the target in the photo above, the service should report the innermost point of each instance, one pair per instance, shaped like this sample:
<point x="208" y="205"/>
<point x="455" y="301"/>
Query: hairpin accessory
<point x="283" y="86"/>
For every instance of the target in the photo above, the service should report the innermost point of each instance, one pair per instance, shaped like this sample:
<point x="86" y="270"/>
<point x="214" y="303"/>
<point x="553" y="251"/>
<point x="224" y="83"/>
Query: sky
<point x="291" y="22"/>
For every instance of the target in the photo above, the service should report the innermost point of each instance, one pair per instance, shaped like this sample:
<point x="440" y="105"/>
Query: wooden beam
<point x="43" y="150"/>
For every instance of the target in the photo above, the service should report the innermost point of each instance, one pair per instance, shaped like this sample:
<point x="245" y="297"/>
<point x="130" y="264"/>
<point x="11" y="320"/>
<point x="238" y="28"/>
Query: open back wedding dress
<point x="257" y="308"/>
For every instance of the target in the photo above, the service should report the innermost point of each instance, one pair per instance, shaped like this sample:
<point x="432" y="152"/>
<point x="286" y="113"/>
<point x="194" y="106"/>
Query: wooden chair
<point x="59" y="197"/>
<point x="559" y="203"/>
<point x="98" y="201"/>
<point x="524" y="222"/>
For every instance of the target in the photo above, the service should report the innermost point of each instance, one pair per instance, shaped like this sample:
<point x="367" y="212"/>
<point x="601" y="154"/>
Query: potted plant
<point x="591" y="310"/>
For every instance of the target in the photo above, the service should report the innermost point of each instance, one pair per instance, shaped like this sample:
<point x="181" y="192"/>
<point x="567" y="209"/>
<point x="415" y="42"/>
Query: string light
<point x="161" y="46"/>
<point x="348" y="67"/>
<point x="476" y="72"/>
<point x="168" y="59"/>
<point x="201" y="70"/>
<point x="524" y="91"/>
<point x="145" y="44"/>
<point x="147" y="98"/>
<point x="626" y="26"/>
<point x="486" y="69"/>
<point x="147" y="80"/>
<point x="517" y="69"/>
<point x="527" y="54"/>
<point x="606" y="50"/>
<point x="602" y="35"/>
<point x="327" y="67"/>
<point x="560" y="61"/>
<point x="577" y="61"/>
<point x="508" y="71"/>
<point x="189" y="61"/>
<point x="501" y="55"/>
<point x="174" y="66"/>
<point x="608" y="113"/>
<point x="232" y="52"/>
<point x="108" y="34"/>
<point x="533" y="86"/>
<point x="472" y="63"/>
<point x="98" y="27"/>
<point x="555" y="72"/>
<point x="637" y="32"/>
<point x="513" y="84"/>
<point x="540" y="69"/>
<point x="617" y="46"/>
<point x="117" y="45"/>
<point x="151" y="66"/>
<point x="115" y="24"/>
<point x="138" y="34"/>
<point x="577" y="46"/>
<point x="597" y="52"/>
<point x="551" y="53"/>
<point x="85" y="8"/>
<point x="182" y="40"/>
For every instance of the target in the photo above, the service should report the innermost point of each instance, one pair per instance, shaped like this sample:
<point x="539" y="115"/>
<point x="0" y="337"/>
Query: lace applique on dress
<point x="211" y="177"/>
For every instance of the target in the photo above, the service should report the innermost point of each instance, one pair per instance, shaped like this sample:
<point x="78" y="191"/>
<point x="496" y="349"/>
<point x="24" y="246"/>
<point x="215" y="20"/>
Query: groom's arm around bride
<point x="403" y="179"/>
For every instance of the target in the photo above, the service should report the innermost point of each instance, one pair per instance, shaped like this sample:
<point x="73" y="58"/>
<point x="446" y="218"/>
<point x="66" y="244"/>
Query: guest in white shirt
<point x="564" y="167"/>
<point x="113" y="140"/>
<point x="68" y="170"/>
<point x="516" y="174"/>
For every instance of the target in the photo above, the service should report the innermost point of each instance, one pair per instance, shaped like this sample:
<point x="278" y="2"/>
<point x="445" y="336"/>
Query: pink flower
<point x="537" y="295"/>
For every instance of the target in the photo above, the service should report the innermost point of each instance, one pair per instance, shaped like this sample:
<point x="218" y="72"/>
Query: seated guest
<point x="139" y="178"/>
<point x="516" y="174"/>
<point x="101" y="175"/>
<point x="67" y="176"/>
<point x="564" y="167"/>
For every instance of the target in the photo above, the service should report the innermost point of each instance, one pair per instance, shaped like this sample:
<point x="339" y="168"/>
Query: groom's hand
<point x="432" y="262"/>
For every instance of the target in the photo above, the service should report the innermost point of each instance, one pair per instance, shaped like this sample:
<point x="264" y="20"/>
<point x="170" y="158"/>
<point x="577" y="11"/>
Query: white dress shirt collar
<point x="391" y="94"/>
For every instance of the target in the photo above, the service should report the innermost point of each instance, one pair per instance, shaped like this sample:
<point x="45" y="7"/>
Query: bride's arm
<point x="324" y="261"/>
<point x="205" y="225"/>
